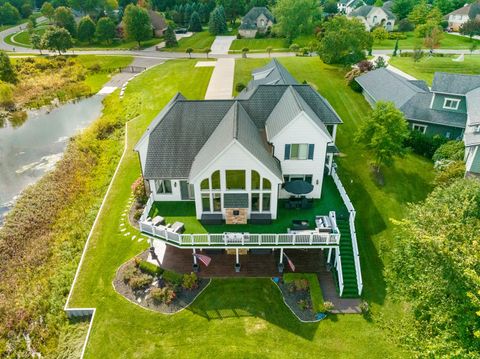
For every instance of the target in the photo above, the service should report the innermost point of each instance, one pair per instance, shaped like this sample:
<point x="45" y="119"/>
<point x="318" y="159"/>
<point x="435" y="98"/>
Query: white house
<point x="232" y="157"/>
<point x="373" y="16"/>
<point x="460" y="16"/>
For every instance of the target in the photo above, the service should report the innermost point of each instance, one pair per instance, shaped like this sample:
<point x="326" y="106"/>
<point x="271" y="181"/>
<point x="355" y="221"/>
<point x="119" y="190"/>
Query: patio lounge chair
<point x="177" y="227"/>
<point x="158" y="220"/>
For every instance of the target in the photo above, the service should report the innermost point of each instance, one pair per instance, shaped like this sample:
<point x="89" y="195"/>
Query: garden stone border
<point x="117" y="283"/>
<point x="294" y="310"/>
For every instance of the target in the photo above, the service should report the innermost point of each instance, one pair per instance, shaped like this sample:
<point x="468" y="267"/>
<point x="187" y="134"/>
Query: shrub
<point x="451" y="150"/>
<point x="163" y="295"/>
<point x="138" y="189"/>
<point x="328" y="306"/>
<point x="138" y="213"/>
<point x="304" y="304"/>
<point x="6" y="95"/>
<point x="172" y="277"/>
<point x="129" y="273"/>
<point x="300" y="285"/>
<point x="449" y="172"/>
<point x="150" y="268"/>
<point x="365" y="66"/>
<point x="405" y="26"/>
<point x="239" y="36"/>
<point x="424" y="145"/>
<point x="240" y="86"/>
<point x="140" y="281"/>
<point x="190" y="281"/>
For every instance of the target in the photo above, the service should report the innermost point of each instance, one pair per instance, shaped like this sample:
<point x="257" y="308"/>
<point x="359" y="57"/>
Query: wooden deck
<point x="252" y="264"/>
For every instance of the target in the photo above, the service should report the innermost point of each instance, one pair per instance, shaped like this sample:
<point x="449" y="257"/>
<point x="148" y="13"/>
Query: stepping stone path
<point x="127" y="234"/>
<point x="133" y="238"/>
<point x="123" y="229"/>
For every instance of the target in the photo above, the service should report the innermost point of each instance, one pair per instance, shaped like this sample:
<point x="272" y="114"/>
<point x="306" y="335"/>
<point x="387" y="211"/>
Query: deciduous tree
<point x="384" y="133"/>
<point x="64" y="18"/>
<point x="344" y="41"/>
<point x="36" y="41"/>
<point x="105" y="30"/>
<point x="295" y="17"/>
<point x="471" y="28"/>
<point x="402" y="8"/>
<point x="86" y="29"/>
<point x="57" y="39"/>
<point x="137" y="23"/>
<point x="9" y="14"/>
<point x="48" y="11"/>
<point x="7" y="72"/>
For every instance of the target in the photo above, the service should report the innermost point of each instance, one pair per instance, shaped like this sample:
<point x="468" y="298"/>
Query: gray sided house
<point x="258" y="19"/>
<point x="451" y="108"/>
<point x="373" y="16"/>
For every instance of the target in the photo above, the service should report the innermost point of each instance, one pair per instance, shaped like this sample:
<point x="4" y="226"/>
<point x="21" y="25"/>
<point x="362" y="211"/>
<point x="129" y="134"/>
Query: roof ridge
<point x="235" y="120"/>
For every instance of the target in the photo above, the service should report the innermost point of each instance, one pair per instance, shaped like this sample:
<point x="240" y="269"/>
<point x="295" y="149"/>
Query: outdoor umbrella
<point x="298" y="187"/>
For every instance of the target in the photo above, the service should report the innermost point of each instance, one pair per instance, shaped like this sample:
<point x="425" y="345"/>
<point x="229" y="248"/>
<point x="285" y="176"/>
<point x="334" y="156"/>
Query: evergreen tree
<point x="187" y="14"/>
<point x="7" y="72"/>
<point x="218" y="23"/>
<point x="170" y="38"/>
<point x="195" y="23"/>
<point x="86" y="29"/>
<point x="203" y="12"/>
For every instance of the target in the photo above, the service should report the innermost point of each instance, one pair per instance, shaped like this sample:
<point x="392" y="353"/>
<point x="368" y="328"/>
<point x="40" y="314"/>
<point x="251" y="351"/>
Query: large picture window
<point x="235" y="179"/>
<point x="266" y="202"/>
<point x="206" y="202"/>
<point x="163" y="186"/>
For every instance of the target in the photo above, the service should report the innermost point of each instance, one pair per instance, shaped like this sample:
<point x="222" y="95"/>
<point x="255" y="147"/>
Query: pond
<point x="29" y="151"/>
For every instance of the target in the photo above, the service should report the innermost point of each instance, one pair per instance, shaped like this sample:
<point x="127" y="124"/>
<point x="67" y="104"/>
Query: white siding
<point x="302" y="130"/>
<point x="142" y="148"/>
<point x="174" y="196"/>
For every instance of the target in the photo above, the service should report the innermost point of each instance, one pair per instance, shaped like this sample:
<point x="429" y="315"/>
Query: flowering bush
<point x="138" y="189"/>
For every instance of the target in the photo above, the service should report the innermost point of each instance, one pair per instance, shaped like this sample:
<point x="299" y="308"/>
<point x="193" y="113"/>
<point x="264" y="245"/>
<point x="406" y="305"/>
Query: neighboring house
<point x="450" y="108"/>
<point x="460" y="16"/>
<point x="373" y="16"/>
<point x="258" y="19"/>
<point x="347" y="6"/>
<point x="159" y="24"/>
<point x="232" y="157"/>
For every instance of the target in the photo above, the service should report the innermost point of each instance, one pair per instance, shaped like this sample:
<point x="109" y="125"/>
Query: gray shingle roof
<point x="364" y="10"/>
<point x="418" y="109"/>
<point x="288" y="108"/>
<point x="274" y="74"/>
<point x="455" y="83"/>
<point x="235" y="200"/>
<point x="236" y="125"/>
<point x="384" y="85"/>
<point x="250" y="18"/>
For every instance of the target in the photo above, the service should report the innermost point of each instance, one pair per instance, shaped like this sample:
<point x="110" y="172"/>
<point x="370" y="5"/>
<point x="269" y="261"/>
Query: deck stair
<point x="350" y="289"/>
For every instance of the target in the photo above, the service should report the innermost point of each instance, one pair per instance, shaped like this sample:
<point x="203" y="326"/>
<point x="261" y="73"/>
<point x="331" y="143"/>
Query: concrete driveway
<point x="221" y="45"/>
<point x="221" y="82"/>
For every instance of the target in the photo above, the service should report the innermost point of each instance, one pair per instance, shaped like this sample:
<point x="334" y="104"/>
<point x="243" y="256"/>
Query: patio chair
<point x="158" y="220"/>
<point x="177" y="227"/>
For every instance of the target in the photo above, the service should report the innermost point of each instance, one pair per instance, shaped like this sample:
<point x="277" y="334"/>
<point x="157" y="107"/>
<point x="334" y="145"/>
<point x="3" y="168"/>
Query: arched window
<point x="216" y="180"/>
<point x="267" y="184"/>
<point x="255" y="180"/>
<point x="205" y="184"/>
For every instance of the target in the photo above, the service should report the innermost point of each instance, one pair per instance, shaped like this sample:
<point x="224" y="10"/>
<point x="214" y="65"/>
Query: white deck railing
<point x="353" y="233"/>
<point x="242" y="239"/>
<point x="339" y="274"/>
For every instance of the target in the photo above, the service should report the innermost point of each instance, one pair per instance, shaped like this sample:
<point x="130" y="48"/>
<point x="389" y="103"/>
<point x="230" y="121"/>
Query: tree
<point x="48" y="11"/>
<point x="405" y="26"/>
<point x="86" y="29"/>
<point x="395" y="50"/>
<point x="105" y="30"/>
<point x="36" y="41"/>
<point x="434" y="267"/>
<point x="244" y="52"/>
<point x="380" y="62"/>
<point x="233" y="9"/>
<point x="473" y="48"/>
<point x="189" y="51"/>
<point x="380" y="34"/>
<point x="218" y="23"/>
<point x="378" y="3"/>
<point x="470" y="28"/>
<point x="26" y="10"/>
<point x="445" y="6"/>
<point x="433" y="38"/>
<point x="344" y="41"/>
<point x="137" y="23"/>
<point x="170" y="38"/>
<point x="9" y="14"/>
<point x="294" y="47"/>
<point x="419" y="13"/>
<point x="207" y="50"/>
<point x="195" y="23"/>
<point x="384" y="133"/>
<point x="57" y="39"/>
<point x="330" y="7"/>
<point x="295" y="17"/>
<point x="402" y="8"/>
<point x="269" y="50"/>
<point x="63" y="17"/>
<point x="86" y="6"/>
<point x="32" y="23"/>
<point x="417" y="53"/>
<point x="7" y="72"/>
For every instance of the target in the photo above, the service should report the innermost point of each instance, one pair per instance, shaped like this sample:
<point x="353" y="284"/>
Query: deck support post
<point x="330" y="163"/>
<point x="196" y="267"/>
<point x="237" y="261"/>
<point x="280" y="263"/>
<point x="329" y="257"/>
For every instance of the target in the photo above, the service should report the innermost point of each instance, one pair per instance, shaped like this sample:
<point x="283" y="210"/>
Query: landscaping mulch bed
<point x="131" y="214"/>
<point x="182" y="300"/>
<point x="292" y="299"/>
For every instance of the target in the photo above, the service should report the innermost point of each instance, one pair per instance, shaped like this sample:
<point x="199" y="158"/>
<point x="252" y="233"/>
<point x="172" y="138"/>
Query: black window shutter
<point x="287" y="152"/>
<point x="311" y="148"/>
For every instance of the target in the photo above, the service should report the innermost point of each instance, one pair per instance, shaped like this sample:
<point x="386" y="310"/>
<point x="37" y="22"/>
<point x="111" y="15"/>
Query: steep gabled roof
<point x="384" y="85"/>
<point x="364" y="10"/>
<point x="287" y="109"/>
<point x="455" y="83"/>
<point x="272" y="73"/>
<point x="236" y="125"/>
<point x="464" y="10"/>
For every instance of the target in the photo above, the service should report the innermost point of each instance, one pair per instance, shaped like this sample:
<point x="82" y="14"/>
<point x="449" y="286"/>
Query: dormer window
<point x="451" y="104"/>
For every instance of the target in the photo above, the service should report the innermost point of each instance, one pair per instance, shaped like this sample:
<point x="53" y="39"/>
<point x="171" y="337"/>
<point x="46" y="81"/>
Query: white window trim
<point x="456" y="101"/>
<point x="419" y="128"/>
<point x="161" y="184"/>
<point x="299" y="144"/>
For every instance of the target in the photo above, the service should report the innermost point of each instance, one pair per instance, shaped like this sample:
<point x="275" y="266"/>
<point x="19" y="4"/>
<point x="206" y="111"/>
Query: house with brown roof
<point x="159" y="24"/>
<point x="460" y="16"/>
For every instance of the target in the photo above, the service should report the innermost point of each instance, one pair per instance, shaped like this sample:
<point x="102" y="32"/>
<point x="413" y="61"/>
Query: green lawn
<point x="448" y="42"/>
<point x="198" y="41"/>
<point x="185" y="212"/>
<point x="426" y="67"/>
<point x="108" y="65"/>
<point x="247" y="317"/>
<point x="22" y="38"/>
<point x="259" y="45"/>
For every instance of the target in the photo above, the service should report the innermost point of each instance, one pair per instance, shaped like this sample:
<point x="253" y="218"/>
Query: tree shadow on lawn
<point x="249" y="298"/>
